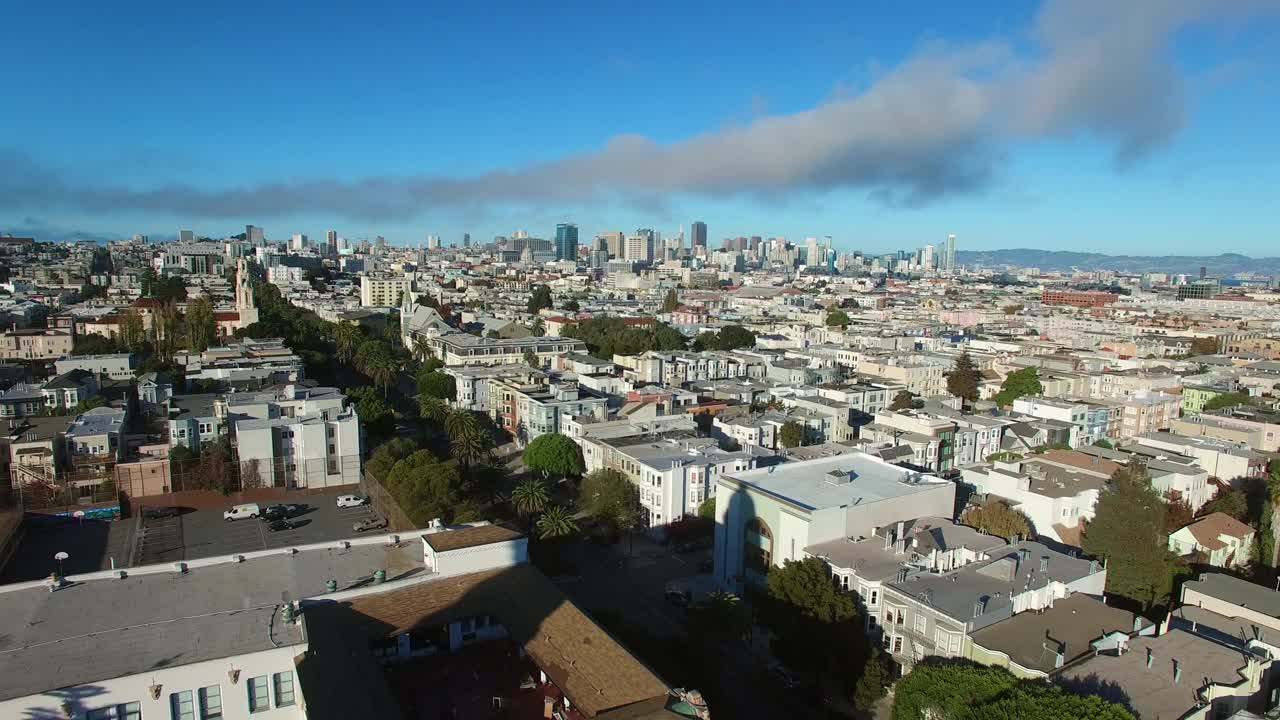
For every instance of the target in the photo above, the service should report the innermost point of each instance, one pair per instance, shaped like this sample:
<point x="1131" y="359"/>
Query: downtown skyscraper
<point x="698" y="234"/>
<point x="566" y="241"/>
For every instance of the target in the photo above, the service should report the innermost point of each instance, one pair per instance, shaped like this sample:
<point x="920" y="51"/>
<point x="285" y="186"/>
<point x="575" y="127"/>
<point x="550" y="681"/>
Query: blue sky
<point x="1139" y="128"/>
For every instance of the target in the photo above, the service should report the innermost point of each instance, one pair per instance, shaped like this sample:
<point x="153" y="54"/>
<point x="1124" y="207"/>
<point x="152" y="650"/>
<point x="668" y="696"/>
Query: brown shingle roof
<point x="1207" y="529"/>
<point x="596" y="673"/>
<point x="470" y="537"/>
<point x="1082" y="460"/>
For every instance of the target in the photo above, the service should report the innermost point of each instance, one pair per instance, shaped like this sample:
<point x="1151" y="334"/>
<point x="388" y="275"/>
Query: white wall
<point x="476" y="559"/>
<point x="135" y="688"/>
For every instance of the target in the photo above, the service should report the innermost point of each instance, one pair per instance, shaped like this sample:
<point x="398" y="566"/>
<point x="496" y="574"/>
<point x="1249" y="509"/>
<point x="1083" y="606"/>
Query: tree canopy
<point x="1230" y="399"/>
<point x="837" y="318"/>
<point x="950" y="689"/>
<point x="670" y="301"/>
<point x="554" y="455"/>
<point x="962" y="381"/>
<point x="997" y="518"/>
<point x="426" y="489"/>
<point x="816" y="626"/>
<point x="610" y="497"/>
<point x="438" y="385"/>
<point x="904" y="400"/>
<point x="1128" y="530"/>
<point x="1017" y="384"/>
<point x="730" y="337"/>
<point x="1204" y="346"/>
<point x="540" y="298"/>
<point x="201" y="329"/>
<point x="791" y="435"/>
<point x="608" y="336"/>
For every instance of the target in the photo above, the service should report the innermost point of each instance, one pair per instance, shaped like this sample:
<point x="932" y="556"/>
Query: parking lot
<point x="192" y="534"/>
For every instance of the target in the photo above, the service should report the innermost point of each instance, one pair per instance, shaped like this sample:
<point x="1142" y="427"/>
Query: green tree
<point x="792" y="434"/>
<point x="874" y="682"/>
<point x="554" y="455"/>
<point x="571" y="306"/>
<point x="962" y="381"/>
<point x="610" y="497"/>
<point x="1128" y="530"/>
<point x="1233" y="502"/>
<point x="437" y="385"/>
<point x="1104" y="444"/>
<point x="904" y="400"/>
<point x="1017" y="384"/>
<point x="433" y="409"/>
<point x="555" y="523"/>
<point x="531" y="358"/>
<point x="426" y="489"/>
<point x="147" y="281"/>
<point x="165" y="325"/>
<point x="837" y="318"/>
<point x="468" y="440"/>
<point x="608" y="336"/>
<point x="348" y="337"/>
<point x="133" y="334"/>
<point x="732" y="337"/>
<point x="724" y="615"/>
<point x="539" y="299"/>
<point x="374" y="412"/>
<point x="816" y="627"/>
<point x="1231" y="399"/>
<point x="387" y="455"/>
<point x="707" y="509"/>
<point x="539" y="327"/>
<point x="997" y="518"/>
<point x="943" y="688"/>
<point x="492" y="334"/>
<point x="95" y="344"/>
<point x="670" y="301"/>
<point x="530" y="497"/>
<point x="1265" y="539"/>
<point x="422" y="351"/>
<point x="1177" y="514"/>
<point x="1012" y="309"/>
<point x="201" y="328"/>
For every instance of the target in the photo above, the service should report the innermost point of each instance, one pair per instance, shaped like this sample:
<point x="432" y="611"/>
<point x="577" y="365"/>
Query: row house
<point x="528" y="410"/>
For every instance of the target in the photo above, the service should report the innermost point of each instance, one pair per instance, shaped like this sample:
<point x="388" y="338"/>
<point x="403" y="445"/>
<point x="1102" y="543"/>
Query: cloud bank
<point x="935" y="126"/>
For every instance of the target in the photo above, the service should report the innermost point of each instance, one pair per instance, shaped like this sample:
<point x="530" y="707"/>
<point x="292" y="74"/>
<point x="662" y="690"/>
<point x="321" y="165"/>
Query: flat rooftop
<point x="1031" y="639"/>
<point x="100" y="627"/>
<point x="835" y="481"/>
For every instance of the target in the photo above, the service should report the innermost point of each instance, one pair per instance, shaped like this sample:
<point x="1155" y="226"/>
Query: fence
<point x="385" y="505"/>
<point x="205" y="481"/>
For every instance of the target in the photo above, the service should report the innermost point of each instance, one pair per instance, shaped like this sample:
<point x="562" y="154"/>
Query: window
<point x="844" y="583"/>
<point x="258" y="700"/>
<point x="875" y="597"/>
<point x="125" y="711"/>
<point x="211" y="703"/>
<point x="284" y="688"/>
<point x="182" y="705"/>
<point x="922" y="623"/>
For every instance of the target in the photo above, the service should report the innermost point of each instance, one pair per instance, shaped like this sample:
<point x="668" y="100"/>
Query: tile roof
<point x="596" y="673"/>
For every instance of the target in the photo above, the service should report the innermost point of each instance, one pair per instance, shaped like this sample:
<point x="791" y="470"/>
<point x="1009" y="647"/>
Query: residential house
<point x="1215" y="539"/>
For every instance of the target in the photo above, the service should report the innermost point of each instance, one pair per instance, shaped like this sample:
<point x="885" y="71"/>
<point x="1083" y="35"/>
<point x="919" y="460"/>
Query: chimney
<point x="979" y="607"/>
<point x="1044" y="563"/>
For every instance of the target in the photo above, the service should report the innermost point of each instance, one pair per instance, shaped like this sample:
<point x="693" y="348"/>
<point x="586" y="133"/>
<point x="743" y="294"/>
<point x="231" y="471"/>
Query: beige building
<point x="35" y="344"/>
<point x="383" y="291"/>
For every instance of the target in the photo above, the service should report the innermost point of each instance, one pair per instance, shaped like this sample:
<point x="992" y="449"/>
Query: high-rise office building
<point x="299" y="242"/>
<point x="566" y="241"/>
<point x="698" y="234"/>
<point x="186" y="236"/>
<point x="253" y="235"/>
<point x="433" y="242"/>
<point x="949" y="254"/>
<point x="928" y="260"/>
<point x="466" y="240"/>
<point x="140" y="238"/>
<point x="640" y="247"/>
<point x="331" y="242"/>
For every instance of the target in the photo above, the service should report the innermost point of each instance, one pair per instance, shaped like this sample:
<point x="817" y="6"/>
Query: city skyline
<point x="999" y="124"/>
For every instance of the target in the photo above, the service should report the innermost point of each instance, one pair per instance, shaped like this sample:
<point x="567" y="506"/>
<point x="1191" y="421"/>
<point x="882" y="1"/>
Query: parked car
<point x="350" y="501"/>
<point x="240" y="512"/>
<point x="281" y="510"/>
<point x="376" y="523"/>
<point x="679" y="598"/>
<point x="279" y="524"/>
<point x="160" y="513"/>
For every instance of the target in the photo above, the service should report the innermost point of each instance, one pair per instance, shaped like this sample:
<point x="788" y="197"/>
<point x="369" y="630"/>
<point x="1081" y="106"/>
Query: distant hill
<point x="1219" y="265"/>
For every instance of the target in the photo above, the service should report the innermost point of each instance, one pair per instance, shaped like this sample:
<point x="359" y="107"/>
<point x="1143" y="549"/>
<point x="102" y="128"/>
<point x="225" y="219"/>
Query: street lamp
<point x="60" y="556"/>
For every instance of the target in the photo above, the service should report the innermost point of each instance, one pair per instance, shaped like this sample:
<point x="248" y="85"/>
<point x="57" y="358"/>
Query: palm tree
<point x="347" y="336"/>
<point x="422" y="348"/>
<point x="466" y="437"/>
<point x="530" y="497"/>
<point x="556" y="522"/>
<point x="432" y="408"/>
<point x="539" y="327"/>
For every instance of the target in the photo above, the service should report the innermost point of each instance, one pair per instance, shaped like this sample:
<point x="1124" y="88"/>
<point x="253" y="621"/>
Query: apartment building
<point x="1221" y="459"/>
<point x="1056" y="497"/>
<point x="930" y="437"/>
<point x="35" y="344"/>
<point x="383" y="291"/>
<point x="459" y="348"/>
<point x="927" y="614"/>
<point x="304" y="450"/>
<point x="675" y="470"/>
<point x="1257" y="427"/>
<point x="765" y="517"/>
<point x="472" y="382"/>
<point x="528" y="409"/>
<point x="920" y="378"/>
<point x="117" y="366"/>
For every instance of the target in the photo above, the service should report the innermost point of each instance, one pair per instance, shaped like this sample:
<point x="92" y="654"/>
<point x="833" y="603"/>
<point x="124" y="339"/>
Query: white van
<point x="240" y="512"/>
